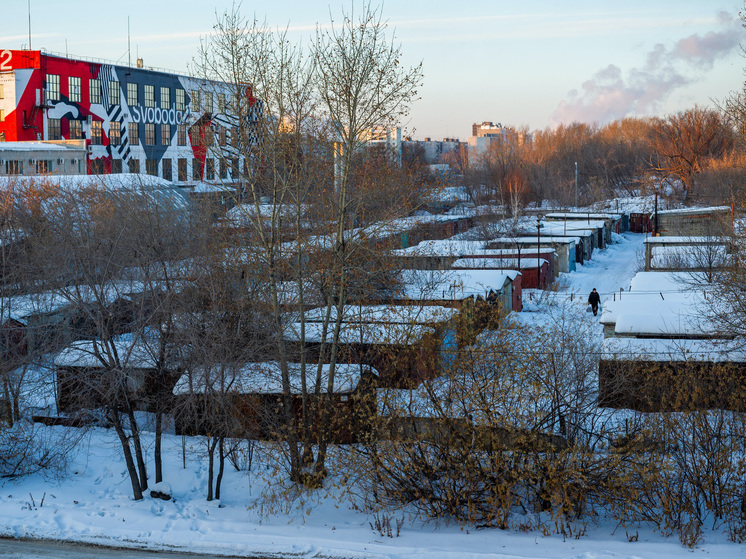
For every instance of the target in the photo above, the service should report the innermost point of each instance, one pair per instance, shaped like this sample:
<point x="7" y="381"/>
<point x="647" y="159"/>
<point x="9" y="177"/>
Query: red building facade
<point x="137" y="120"/>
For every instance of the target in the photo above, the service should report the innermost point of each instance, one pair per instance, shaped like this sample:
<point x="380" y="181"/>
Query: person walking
<point x="593" y="300"/>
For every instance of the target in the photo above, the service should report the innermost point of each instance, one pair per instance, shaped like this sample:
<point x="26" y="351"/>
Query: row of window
<point x="40" y="166"/>
<point x="95" y="94"/>
<point x="151" y="168"/>
<point x="54" y="128"/>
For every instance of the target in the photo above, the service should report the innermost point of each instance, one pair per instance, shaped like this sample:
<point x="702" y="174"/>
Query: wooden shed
<point x="245" y="400"/>
<point x="661" y="375"/>
<point x="404" y="343"/>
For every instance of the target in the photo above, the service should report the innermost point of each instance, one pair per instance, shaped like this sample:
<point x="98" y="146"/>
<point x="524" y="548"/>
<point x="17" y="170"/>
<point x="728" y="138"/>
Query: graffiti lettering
<point x="157" y="115"/>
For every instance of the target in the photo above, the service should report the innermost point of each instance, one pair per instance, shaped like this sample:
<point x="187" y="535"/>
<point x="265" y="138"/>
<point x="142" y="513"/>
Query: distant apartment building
<point x="484" y="134"/>
<point x="130" y="119"/>
<point x="433" y="150"/>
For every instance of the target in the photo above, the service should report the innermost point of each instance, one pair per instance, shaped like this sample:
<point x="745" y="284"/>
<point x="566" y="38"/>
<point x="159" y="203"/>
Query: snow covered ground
<point x="93" y="502"/>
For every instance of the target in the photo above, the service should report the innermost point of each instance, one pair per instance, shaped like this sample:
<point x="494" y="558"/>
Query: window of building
<point x="180" y="102"/>
<point x="94" y="91"/>
<point x="14" y="167"/>
<point x="165" y="134"/>
<point x="73" y="89"/>
<point x="151" y="167"/>
<point x="53" y="87"/>
<point x="221" y="102"/>
<point x="167" y="171"/>
<point x="133" y="165"/>
<point x="54" y="129"/>
<point x="2" y="91"/>
<point x="150" y="96"/>
<point x="196" y="169"/>
<point x="97" y="166"/>
<point x="223" y="168"/>
<point x="165" y="98"/>
<point x="208" y="101"/>
<point x="149" y="134"/>
<point x="116" y="166"/>
<point x="2" y="115"/>
<point x="234" y="168"/>
<point x="195" y="100"/>
<point x="76" y="130"/>
<point x="210" y="169"/>
<point x="182" y="163"/>
<point x="132" y="94"/>
<point x="115" y="133"/>
<point x="113" y="93"/>
<point x="221" y="136"/>
<point x="134" y="133"/>
<point x="42" y="167"/>
<point x="96" y="133"/>
<point x="181" y="134"/>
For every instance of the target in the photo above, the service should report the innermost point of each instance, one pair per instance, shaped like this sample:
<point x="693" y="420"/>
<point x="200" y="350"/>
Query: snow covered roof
<point x="677" y="257"/>
<point x="526" y="240"/>
<point x="40" y="146"/>
<point x="666" y="282"/>
<point x="496" y="253"/>
<point x="206" y="187"/>
<point x="444" y="247"/>
<point x="497" y="263"/>
<point x="709" y="209"/>
<point x="156" y="188"/>
<point x="357" y="333"/>
<point x="652" y="349"/>
<point x="582" y="215"/>
<point x="266" y="378"/>
<point x="23" y="306"/>
<point x="680" y="240"/>
<point x="131" y="353"/>
<point x="387" y="314"/>
<point x="645" y="314"/>
<point x="455" y="285"/>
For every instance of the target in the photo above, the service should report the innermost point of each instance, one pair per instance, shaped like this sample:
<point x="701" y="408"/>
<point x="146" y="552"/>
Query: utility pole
<point x="576" y="185"/>
<point x="538" y="252"/>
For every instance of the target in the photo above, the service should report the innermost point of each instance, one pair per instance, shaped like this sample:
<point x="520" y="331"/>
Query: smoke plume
<point x="609" y="95"/>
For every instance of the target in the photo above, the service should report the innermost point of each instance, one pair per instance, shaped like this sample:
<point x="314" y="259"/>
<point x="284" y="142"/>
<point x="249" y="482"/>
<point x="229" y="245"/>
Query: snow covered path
<point x="608" y="270"/>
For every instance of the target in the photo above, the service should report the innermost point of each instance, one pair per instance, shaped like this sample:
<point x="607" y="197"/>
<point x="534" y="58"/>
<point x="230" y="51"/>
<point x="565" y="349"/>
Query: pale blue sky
<point x="533" y="63"/>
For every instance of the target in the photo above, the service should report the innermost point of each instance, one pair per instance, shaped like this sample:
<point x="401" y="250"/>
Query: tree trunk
<point x="221" y="467"/>
<point x="210" y="466"/>
<point x="131" y="469"/>
<point x="157" y="450"/>
<point x="138" y="449"/>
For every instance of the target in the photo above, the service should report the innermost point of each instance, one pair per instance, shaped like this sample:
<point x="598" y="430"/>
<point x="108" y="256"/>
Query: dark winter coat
<point x="594" y="299"/>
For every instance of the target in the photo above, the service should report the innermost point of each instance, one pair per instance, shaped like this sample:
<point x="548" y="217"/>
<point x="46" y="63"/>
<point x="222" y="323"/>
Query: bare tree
<point x="309" y="165"/>
<point x="685" y="143"/>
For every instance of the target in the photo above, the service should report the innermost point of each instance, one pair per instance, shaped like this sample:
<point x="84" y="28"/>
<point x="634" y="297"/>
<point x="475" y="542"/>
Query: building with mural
<point x="131" y="119"/>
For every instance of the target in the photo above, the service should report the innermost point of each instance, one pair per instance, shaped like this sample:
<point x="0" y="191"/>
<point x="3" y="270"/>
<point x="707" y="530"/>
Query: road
<point x="37" y="549"/>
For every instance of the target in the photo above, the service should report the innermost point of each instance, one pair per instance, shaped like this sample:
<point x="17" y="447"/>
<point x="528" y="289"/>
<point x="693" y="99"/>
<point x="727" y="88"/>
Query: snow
<point x="387" y="314"/>
<point x="258" y="515"/>
<point x="435" y="285"/>
<point x="40" y="146"/>
<point x="684" y="240"/>
<point x="360" y="333"/>
<point x="266" y="378"/>
<point x="526" y="263"/>
<point x="94" y="505"/>
<point x="652" y="349"/>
